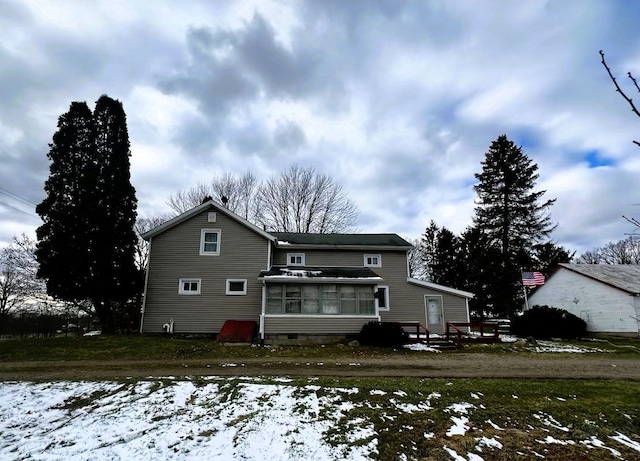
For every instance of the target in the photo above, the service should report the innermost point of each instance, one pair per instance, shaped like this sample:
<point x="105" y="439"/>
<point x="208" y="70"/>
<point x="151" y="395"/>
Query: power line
<point x="16" y="196"/>
<point x="18" y="209"/>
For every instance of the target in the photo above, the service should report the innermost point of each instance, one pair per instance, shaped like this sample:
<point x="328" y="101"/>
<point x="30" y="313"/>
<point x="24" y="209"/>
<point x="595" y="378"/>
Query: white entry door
<point x="433" y="312"/>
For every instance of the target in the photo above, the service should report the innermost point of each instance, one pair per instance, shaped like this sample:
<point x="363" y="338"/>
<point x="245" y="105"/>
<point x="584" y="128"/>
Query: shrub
<point x="383" y="334"/>
<point x="543" y="322"/>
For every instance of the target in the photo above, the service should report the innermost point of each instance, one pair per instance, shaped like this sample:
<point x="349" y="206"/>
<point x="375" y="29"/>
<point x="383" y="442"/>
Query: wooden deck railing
<point x="418" y="326"/>
<point x="495" y="327"/>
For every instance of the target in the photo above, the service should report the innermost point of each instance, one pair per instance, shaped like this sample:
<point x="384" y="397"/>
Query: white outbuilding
<point x="606" y="296"/>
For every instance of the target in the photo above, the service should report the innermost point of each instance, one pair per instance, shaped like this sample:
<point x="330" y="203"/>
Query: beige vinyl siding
<point x="326" y="258"/>
<point x="175" y="254"/>
<point x="406" y="301"/>
<point x="408" y="306"/>
<point x="315" y="325"/>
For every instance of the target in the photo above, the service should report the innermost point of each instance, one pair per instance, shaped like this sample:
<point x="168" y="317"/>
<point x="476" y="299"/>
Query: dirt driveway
<point x="427" y="365"/>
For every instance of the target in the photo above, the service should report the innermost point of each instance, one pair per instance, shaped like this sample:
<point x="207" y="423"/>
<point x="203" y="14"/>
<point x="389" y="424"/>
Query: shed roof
<point x="350" y="240"/>
<point x="298" y="273"/>
<point x="625" y="277"/>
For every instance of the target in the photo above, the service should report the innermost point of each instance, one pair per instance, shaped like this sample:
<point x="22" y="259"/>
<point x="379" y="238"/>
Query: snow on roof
<point x="358" y="273"/>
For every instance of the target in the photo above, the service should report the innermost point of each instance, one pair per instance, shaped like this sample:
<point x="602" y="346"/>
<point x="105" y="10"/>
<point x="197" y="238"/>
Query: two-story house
<point x="210" y="265"/>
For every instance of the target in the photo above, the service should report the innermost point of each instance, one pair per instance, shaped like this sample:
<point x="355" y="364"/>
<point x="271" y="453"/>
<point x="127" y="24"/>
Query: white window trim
<point x="210" y="231"/>
<point x="236" y="293"/>
<point x="386" y="299"/>
<point x="181" y="283"/>
<point x="295" y="255"/>
<point x="373" y="256"/>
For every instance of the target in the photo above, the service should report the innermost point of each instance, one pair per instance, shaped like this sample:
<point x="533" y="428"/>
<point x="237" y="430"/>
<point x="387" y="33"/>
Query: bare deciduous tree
<point x="237" y="193"/>
<point x="629" y="100"/>
<point x="18" y="277"/>
<point x="625" y="251"/>
<point x="417" y="266"/>
<point x="141" y="226"/>
<point x="303" y="200"/>
<point x="297" y="200"/>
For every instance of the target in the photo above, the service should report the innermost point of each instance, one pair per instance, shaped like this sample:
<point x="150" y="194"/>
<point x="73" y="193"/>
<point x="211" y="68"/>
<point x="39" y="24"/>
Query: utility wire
<point x="18" y="209"/>
<point x="16" y="196"/>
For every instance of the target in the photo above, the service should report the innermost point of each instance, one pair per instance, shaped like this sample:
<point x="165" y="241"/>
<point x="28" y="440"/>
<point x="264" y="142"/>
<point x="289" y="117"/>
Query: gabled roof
<point x="344" y="241"/>
<point x="198" y="209"/>
<point x="625" y="277"/>
<point x="310" y="274"/>
<point x="435" y="286"/>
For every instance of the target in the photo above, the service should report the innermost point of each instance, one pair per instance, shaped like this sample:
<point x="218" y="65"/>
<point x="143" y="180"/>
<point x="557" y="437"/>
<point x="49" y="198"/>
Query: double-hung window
<point x="210" y="242"/>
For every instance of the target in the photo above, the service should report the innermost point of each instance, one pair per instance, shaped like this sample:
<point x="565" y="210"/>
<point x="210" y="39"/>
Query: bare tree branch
<point x="619" y="90"/>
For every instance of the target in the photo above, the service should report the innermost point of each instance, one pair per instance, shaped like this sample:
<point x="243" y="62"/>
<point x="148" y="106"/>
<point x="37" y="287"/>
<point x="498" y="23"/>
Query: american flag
<point x="532" y="279"/>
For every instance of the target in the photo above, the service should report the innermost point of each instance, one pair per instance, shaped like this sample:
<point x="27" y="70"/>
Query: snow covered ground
<point x="232" y="419"/>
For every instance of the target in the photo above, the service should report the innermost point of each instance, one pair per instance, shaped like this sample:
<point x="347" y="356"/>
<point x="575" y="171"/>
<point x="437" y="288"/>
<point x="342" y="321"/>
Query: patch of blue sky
<point x="595" y="159"/>
<point x="525" y="138"/>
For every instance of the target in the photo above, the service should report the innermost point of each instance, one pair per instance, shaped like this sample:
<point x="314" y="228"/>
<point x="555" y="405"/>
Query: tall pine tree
<point x="66" y="211"/>
<point x="87" y="242"/>
<point x="511" y="214"/>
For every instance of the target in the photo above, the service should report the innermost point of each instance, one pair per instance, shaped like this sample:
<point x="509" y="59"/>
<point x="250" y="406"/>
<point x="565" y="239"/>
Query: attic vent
<point x="211" y="216"/>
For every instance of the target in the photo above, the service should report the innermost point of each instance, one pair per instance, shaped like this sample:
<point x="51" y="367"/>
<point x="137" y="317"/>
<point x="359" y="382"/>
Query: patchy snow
<point x="421" y="347"/>
<point x="624" y="440"/>
<point x="92" y="333"/>
<point x="493" y="425"/>
<point x="240" y="418"/>
<point x="453" y="454"/>
<point x="549" y="420"/>
<point x="460" y="426"/>
<point x="554" y="346"/>
<point x="178" y="420"/>
<point x="460" y="408"/>
<point x="488" y="442"/>
<point x="594" y="442"/>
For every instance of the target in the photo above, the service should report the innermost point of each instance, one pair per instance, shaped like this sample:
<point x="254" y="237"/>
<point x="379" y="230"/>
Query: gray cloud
<point x="397" y="100"/>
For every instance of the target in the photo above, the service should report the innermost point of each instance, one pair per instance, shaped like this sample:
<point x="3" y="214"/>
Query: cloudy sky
<point x="398" y="101"/>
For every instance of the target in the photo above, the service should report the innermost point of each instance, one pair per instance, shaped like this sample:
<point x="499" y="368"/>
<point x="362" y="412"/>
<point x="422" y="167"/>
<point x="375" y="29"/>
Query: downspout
<point x="264" y="303"/>
<point x="264" y="296"/>
<point x="146" y="284"/>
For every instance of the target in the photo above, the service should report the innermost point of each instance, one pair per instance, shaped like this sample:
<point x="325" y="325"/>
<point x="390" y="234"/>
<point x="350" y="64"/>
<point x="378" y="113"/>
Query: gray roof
<point x="198" y="209"/>
<point x="625" y="277"/>
<point x="297" y="272"/>
<point x="351" y="240"/>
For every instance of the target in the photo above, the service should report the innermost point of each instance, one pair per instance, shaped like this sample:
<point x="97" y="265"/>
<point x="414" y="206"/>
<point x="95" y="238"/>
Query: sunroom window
<point x="322" y="299"/>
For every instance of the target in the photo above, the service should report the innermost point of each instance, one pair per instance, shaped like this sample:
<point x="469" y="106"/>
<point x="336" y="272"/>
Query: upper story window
<point x="295" y="259"/>
<point x="189" y="287"/>
<point x="372" y="261"/>
<point x="210" y="242"/>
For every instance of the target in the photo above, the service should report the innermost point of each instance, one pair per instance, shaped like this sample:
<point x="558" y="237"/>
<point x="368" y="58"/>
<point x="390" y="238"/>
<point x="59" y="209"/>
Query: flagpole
<point x="524" y="290"/>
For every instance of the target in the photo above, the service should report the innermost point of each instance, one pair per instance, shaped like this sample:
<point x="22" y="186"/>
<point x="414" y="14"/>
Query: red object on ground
<point x="237" y="331"/>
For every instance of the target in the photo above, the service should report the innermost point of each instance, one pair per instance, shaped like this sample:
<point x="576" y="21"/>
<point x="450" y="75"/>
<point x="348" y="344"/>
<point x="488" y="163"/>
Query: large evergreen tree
<point x="442" y="257"/>
<point x="63" y="239"/>
<point x="87" y="242"/>
<point x="513" y="216"/>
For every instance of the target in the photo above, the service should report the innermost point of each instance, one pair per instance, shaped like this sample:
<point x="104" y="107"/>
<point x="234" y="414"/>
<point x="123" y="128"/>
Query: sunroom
<point x="318" y="301"/>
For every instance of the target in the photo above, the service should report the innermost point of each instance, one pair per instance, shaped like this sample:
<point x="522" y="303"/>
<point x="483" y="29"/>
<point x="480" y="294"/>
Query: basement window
<point x="236" y="287"/>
